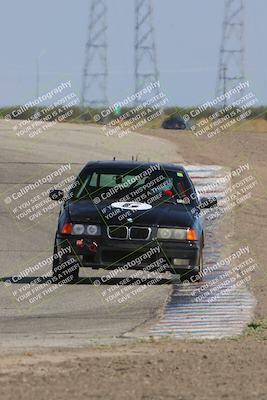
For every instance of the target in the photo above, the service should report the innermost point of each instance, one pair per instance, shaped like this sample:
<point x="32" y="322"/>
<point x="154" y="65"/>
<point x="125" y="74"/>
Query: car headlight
<point x="81" y="229"/>
<point x="78" y="229"/>
<point x="172" y="234"/>
<point x="93" y="230"/>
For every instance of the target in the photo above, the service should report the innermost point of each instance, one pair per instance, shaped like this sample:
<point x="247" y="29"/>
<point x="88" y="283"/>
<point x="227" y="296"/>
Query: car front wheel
<point x="64" y="269"/>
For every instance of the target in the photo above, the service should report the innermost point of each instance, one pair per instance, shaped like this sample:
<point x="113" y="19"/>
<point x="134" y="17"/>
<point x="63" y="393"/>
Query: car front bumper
<point x="131" y="254"/>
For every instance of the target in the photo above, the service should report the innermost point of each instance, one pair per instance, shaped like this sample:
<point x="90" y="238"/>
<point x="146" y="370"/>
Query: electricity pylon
<point x="232" y="51"/>
<point x="94" y="81"/>
<point x="146" y="70"/>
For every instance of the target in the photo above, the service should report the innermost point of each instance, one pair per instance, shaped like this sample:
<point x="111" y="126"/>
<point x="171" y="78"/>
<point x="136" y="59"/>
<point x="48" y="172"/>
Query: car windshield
<point x="149" y="185"/>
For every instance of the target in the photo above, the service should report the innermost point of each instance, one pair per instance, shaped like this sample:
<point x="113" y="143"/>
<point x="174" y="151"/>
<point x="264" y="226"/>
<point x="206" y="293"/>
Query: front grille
<point x="117" y="232"/>
<point x="139" y="233"/>
<point x="131" y="233"/>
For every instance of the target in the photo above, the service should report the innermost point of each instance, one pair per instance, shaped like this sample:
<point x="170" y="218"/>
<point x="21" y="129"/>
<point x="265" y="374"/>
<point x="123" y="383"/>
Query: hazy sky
<point x="188" y="35"/>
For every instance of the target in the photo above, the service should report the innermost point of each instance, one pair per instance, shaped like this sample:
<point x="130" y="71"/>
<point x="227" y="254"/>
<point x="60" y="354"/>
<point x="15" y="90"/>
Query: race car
<point x="174" y="122"/>
<point x="130" y="215"/>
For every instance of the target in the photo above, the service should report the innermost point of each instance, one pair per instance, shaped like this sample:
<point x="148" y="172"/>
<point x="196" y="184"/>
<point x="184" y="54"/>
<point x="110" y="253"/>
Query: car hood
<point x="163" y="215"/>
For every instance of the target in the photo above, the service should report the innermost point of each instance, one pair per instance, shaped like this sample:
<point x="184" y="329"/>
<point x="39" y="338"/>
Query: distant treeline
<point x="97" y="115"/>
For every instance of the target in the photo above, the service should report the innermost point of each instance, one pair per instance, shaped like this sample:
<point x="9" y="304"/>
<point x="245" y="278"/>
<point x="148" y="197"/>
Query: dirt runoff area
<point x="167" y="369"/>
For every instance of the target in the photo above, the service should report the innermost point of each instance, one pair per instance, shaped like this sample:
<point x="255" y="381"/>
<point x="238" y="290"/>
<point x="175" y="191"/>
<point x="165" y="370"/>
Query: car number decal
<point x="131" y="205"/>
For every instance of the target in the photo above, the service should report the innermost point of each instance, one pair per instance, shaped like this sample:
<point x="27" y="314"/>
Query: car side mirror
<point x="56" y="194"/>
<point x="208" y="202"/>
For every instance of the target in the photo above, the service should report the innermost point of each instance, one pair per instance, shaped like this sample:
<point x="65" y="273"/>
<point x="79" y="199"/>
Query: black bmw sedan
<point x="130" y="215"/>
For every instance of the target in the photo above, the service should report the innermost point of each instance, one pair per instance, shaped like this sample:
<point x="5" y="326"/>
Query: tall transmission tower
<point x="94" y="81"/>
<point x="232" y="51"/>
<point x="146" y="70"/>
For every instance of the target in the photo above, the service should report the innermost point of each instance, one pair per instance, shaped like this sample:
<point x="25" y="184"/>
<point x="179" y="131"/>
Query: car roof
<point x="133" y="164"/>
<point x="175" y="118"/>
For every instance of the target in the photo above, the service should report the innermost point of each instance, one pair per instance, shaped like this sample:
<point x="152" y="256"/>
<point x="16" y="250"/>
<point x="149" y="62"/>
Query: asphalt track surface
<point x="73" y="315"/>
<point x="79" y="314"/>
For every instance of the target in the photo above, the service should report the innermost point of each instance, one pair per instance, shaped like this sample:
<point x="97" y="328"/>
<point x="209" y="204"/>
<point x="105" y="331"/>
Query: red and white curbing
<point x="227" y="315"/>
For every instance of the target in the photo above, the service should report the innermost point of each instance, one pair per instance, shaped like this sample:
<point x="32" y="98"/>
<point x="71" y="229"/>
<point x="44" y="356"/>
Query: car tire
<point x="196" y="276"/>
<point x="67" y="273"/>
